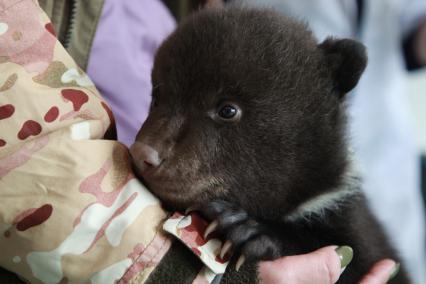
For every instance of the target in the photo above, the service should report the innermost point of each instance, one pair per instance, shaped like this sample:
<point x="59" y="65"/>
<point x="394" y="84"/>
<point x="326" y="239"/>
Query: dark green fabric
<point x="75" y="23"/>
<point x="179" y="265"/>
<point x="58" y="12"/>
<point x="246" y="274"/>
<point x="87" y="17"/>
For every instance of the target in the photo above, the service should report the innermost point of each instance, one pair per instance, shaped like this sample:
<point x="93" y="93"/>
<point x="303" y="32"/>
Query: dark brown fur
<point x="287" y="148"/>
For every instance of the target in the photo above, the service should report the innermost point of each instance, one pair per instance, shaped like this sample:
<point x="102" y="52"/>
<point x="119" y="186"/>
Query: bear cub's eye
<point x="228" y="112"/>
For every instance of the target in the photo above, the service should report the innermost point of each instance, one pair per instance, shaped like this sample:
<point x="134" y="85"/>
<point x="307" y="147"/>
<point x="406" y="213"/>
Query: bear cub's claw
<point x="244" y="236"/>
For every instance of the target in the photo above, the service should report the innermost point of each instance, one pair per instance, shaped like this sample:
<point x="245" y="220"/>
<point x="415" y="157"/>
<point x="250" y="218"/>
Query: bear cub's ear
<point x="347" y="58"/>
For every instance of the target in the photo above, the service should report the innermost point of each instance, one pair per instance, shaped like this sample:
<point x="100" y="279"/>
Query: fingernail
<point x="395" y="271"/>
<point x="345" y="254"/>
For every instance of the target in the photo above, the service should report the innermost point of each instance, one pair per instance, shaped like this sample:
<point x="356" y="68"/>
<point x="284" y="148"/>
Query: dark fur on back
<point x="288" y="146"/>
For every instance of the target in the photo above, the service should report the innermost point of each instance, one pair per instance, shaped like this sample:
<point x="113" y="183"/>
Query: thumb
<point x="381" y="272"/>
<point x="322" y="266"/>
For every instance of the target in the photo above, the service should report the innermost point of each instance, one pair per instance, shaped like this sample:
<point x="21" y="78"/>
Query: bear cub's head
<point x="248" y="107"/>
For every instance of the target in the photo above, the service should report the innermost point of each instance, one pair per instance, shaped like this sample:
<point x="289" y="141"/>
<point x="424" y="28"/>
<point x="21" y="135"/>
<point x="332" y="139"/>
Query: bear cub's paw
<point x="248" y="239"/>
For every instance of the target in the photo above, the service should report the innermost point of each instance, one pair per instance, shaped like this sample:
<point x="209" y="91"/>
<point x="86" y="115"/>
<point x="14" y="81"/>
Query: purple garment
<point x="121" y="59"/>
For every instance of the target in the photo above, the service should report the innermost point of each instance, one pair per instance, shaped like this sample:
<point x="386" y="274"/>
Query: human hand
<point x="322" y="266"/>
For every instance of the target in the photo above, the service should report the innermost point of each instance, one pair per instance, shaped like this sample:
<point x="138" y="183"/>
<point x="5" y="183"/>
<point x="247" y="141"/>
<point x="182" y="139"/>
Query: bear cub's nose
<point x="144" y="156"/>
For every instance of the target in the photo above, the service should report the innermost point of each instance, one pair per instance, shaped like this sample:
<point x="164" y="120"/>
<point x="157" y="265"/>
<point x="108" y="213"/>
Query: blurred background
<point x="416" y="98"/>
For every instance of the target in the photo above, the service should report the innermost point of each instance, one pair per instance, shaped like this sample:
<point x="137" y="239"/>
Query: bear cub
<point x="247" y="126"/>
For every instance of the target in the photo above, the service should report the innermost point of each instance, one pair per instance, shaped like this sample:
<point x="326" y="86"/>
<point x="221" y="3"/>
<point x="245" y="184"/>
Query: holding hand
<point x="322" y="266"/>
